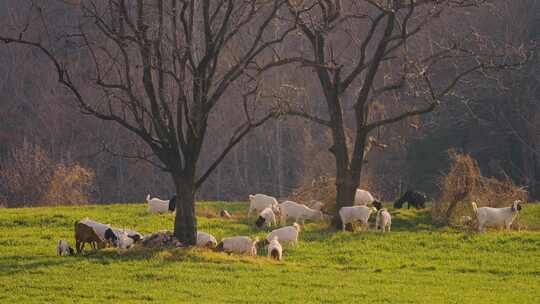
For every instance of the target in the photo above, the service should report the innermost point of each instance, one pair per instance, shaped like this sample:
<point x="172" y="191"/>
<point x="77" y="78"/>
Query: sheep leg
<point x="78" y="246"/>
<point x="249" y="212"/>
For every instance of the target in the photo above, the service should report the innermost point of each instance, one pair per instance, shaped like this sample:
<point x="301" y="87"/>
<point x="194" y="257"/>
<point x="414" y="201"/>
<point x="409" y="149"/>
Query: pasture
<point x="415" y="263"/>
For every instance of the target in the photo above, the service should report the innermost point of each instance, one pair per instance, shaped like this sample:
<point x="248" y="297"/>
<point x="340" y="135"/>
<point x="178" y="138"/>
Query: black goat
<point x="412" y="198"/>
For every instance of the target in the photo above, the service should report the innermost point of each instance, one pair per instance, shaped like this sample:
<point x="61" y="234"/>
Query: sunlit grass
<point x="415" y="263"/>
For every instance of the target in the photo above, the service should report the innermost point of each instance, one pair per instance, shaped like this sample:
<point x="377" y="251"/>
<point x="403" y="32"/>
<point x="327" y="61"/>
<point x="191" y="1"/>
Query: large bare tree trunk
<point x="185" y="224"/>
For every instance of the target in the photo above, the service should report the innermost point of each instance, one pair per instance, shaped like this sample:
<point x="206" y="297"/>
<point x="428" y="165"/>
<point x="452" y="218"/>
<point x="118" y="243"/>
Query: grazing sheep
<point x="383" y="220"/>
<point x="238" y="244"/>
<point x="298" y="212"/>
<point x="156" y="205"/>
<point x="316" y="205"/>
<point x="363" y="197"/>
<point x="259" y="202"/>
<point x="355" y="214"/>
<point x="274" y="249"/>
<point x="86" y="234"/>
<point x="63" y="248"/>
<point x="267" y="217"/>
<point x="205" y="239"/>
<point x="225" y="214"/>
<point x="99" y="228"/>
<point x="414" y="198"/>
<point x="497" y="217"/>
<point x="287" y="234"/>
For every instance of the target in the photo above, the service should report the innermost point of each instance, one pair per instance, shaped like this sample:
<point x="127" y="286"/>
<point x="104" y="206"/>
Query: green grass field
<point x="415" y="263"/>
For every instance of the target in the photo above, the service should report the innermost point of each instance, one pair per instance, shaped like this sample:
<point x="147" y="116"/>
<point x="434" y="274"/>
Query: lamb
<point x="498" y="217"/>
<point x="156" y="205"/>
<point x="383" y="220"/>
<point x="363" y="197"/>
<point x="259" y="202"/>
<point x="267" y="217"/>
<point x="63" y="248"/>
<point x="205" y="239"/>
<point x="86" y="234"/>
<point x="354" y="214"/>
<point x="298" y="212"/>
<point x="414" y="198"/>
<point x="287" y="234"/>
<point x="238" y="244"/>
<point x="274" y="249"/>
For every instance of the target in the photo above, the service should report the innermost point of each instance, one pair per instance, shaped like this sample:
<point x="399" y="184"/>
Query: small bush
<point x="69" y="185"/>
<point x="464" y="184"/>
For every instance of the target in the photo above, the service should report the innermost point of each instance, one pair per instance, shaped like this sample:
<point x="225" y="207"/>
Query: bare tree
<point x="162" y="67"/>
<point x="350" y="42"/>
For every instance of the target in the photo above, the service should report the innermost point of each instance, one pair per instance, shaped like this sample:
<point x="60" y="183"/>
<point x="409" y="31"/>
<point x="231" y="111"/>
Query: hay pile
<point x="464" y="184"/>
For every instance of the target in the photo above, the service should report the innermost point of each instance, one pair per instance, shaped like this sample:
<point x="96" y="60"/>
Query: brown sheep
<point x="86" y="234"/>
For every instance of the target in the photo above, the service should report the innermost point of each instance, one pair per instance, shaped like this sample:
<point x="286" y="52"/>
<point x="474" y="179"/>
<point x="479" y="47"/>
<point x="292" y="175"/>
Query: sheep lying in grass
<point x="496" y="217"/>
<point x="156" y="205"/>
<point x="122" y="238"/>
<point x="287" y="234"/>
<point x="205" y="239"/>
<point x="298" y="212"/>
<point x="363" y="198"/>
<point x="266" y="217"/>
<point x="63" y="248"/>
<point x="274" y="249"/>
<point x="238" y="244"/>
<point x="259" y="202"/>
<point x="355" y="214"/>
<point x="87" y="234"/>
<point x="383" y="220"/>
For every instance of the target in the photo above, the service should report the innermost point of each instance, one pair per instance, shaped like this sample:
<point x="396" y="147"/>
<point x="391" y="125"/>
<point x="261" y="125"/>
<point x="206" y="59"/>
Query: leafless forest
<point x="464" y="73"/>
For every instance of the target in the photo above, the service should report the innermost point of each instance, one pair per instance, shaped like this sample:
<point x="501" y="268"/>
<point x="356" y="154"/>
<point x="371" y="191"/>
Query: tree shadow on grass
<point x="11" y="265"/>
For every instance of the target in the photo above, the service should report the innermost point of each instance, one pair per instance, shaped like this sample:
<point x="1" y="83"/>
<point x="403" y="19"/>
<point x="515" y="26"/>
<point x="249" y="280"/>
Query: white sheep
<point x="354" y="214"/>
<point x="205" y="239"/>
<point x="497" y="217"/>
<point x="259" y="202"/>
<point x="298" y="212"/>
<point x="63" y="248"/>
<point x="156" y="205"/>
<point x="285" y="234"/>
<point x="266" y="217"/>
<point x="383" y="220"/>
<point x="363" y="198"/>
<point x="238" y="244"/>
<point x="274" y="249"/>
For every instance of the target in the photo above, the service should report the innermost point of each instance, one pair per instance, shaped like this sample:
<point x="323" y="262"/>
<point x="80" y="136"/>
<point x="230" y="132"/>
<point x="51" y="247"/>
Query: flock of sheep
<point x="271" y="214"/>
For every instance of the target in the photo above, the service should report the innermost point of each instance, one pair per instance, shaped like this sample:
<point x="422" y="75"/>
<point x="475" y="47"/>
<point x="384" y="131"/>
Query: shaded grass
<point x="415" y="263"/>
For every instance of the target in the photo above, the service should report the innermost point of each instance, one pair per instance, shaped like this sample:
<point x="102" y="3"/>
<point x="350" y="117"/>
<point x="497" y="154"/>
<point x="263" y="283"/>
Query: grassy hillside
<point x="415" y="263"/>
